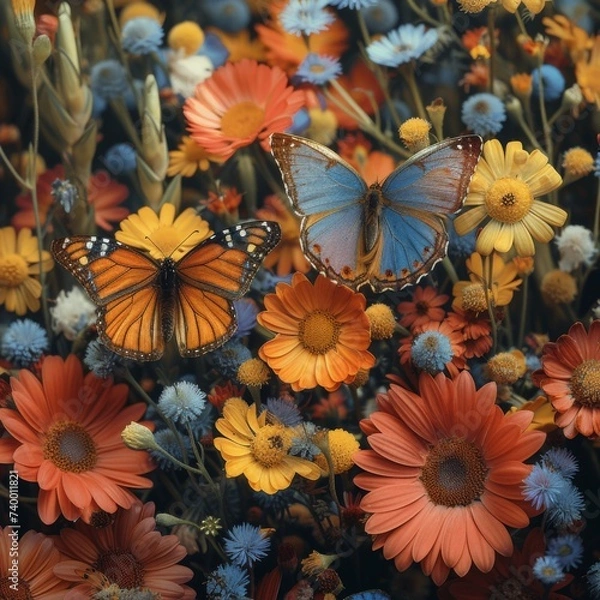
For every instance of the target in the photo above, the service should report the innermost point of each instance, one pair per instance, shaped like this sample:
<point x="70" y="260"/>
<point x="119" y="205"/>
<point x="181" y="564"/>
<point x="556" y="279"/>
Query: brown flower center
<point x="7" y="589"/>
<point x="271" y="445"/>
<point x="473" y="298"/>
<point x="242" y="120"/>
<point x="454" y="472"/>
<point x="513" y="589"/>
<point x="422" y="307"/>
<point x="585" y="383"/>
<point x="508" y="200"/>
<point x="70" y="447"/>
<point x="121" y="567"/>
<point x="13" y="270"/>
<point x="319" y="332"/>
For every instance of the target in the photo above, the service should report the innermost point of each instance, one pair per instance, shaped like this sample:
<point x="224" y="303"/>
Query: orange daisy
<point x="322" y="333"/>
<point x="129" y="552"/>
<point x="240" y="103"/>
<point x="570" y="377"/>
<point x="425" y="306"/>
<point x="287" y="256"/>
<point x="69" y="428"/>
<point x="36" y="558"/>
<point x="476" y="331"/>
<point x="444" y="475"/>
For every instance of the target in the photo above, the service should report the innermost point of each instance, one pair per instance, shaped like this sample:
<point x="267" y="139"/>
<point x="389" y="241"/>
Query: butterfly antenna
<point x="185" y="239"/>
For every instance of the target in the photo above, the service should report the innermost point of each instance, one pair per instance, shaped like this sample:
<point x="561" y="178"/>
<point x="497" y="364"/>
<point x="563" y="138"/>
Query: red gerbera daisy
<point x="570" y="377"/>
<point x="425" y="306"/>
<point x="239" y="103"/>
<point x="444" y="475"/>
<point x="69" y="431"/>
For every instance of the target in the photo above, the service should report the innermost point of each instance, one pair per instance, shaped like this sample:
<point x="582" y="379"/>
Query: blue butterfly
<point x="388" y="235"/>
<point x="369" y="595"/>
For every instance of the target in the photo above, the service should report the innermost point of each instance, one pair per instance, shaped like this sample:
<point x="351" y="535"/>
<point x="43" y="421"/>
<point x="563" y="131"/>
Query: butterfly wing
<point x="369" y="595"/>
<point x="212" y="275"/>
<point x="328" y="194"/>
<point x="429" y="186"/>
<point x="122" y="282"/>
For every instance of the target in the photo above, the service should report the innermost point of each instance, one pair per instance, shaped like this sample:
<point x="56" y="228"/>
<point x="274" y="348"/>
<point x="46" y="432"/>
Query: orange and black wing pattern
<point x="123" y="283"/>
<point x="211" y="276"/>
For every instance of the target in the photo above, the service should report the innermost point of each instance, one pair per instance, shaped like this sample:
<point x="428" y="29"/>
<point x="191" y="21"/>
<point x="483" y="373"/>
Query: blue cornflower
<point x="108" y="79"/>
<point x="141" y="35"/>
<point x="593" y="577"/>
<point x="568" y="549"/>
<point x="553" y="82"/>
<point x="228" y="358"/>
<point x="285" y="411"/>
<point x="408" y="42"/>
<point x="65" y="193"/>
<point x="562" y="461"/>
<point x="245" y="544"/>
<point x="352" y="4"/>
<point x="318" y="69"/>
<point x="430" y="351"/>
<point x="101" y="361"/>
<point x="227" y="582"/>
<point x="380" y="17"/>
<point x="542" y="486"/>
<point x="567" y="507"/>
<point x="228" y="15"/>
<point x="484" y="113"/>
<point x="120" y="158"/>
<point x="305" y="17"/>
<point x="24" y="342"/>
<point x="548" y="570"/>
<point x="182" y="401"/>
<point x="245" y="310"/>
<point x="170" y="442"/>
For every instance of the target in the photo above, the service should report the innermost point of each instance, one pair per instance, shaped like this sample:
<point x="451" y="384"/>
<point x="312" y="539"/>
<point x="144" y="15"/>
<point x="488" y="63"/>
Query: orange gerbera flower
<point x="129" y="552"/>
<point x="36" y="558"/>
<point x="240" y="103"/>
<point x="444" y="475"/>
<point x="69" y="428"/>
<point x="570" y="377"/>
<point x="104" y="195"/>
<point x="288" y="255"/>
<point x="475" y="328"/>
<point x="322" y="333"/>
<point x="374" y="166"/>
<point x="425" y="306"/>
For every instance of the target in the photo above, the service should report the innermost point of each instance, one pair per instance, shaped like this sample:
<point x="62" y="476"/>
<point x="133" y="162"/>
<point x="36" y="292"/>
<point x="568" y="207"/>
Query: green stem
<point x="490" y="26"/>
<point x="450" y="270"/>
<point x="523" y="315"/>
<point x="408" y="73"/>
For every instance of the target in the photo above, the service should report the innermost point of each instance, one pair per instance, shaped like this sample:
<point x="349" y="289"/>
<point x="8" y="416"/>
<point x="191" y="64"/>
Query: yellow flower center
<point x="121" y="567"/>
<point x="13" y="270"/>
<point x="508" y="200"/>
<point x="70" y="447"/>
<point x="454" y="473"/>
<point x="473" y="298"/>
<point x="253" y="372"/>
<point x="319" y="332"/>
<point x="271" y="445"/>
<point x="8" y="590"/>
<point x="503" y="368"/>
<point x="242" y="120"/>
<point x="585" y="383"/>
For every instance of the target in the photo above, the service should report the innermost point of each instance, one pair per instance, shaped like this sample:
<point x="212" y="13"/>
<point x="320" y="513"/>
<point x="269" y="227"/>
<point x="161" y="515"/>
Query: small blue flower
<point x="430" y="351"/>
<point x="141" y="35"/>
<point x="568" y="549"/>
<point x="228" y="358"/>
<point x="245" y="310"/>
<point x="568" y="507"/>
<point x="408" y="42"/>
<point x="352" y="4"/>
<point x="276" y="502"/>
<point x="542" y="486"/>
<point x="548" y="570"/>
<point x="24" y="342"/>
<point x="228" y="15"/>
<point x="300" y="123"/>
<point x="305" y="17"/>
<point x="170" y="442"/>
<point x="597" y="165"/>
<point x="182" y="402"/>
<point x="214" y="49"/>
<point x="593" y="577"/>
<point x="302" y="444"/>
<point x="101" y="361"/>
<point x="553" y="82"/>
<point x="484" y="113"/>
<point x="108" y="79"/>
<point x="120" y="159"/>
<point x="562" y="461"/>
<point x="227" y="582"/>
<point x="65" y="193"/>
<point x="245" y="544"/>
<point x="380" y="17"/>
<point x="285" y="411"/>
<point x="318" y="69"/>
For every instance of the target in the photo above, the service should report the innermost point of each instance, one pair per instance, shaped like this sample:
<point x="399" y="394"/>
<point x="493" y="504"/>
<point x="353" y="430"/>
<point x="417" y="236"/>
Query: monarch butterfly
<point x="141" y="302"/>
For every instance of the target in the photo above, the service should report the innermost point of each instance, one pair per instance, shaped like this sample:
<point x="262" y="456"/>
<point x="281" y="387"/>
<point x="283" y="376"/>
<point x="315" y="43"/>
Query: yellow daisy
<point x="504" y="189"/>
<point x="188" y="158"/>
<point x="258" y="449"/>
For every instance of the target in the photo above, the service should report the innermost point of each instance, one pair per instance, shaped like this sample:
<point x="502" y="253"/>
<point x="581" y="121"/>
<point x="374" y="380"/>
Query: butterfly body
<point x="388" y="234"/>
<point x="142" y="302"/>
